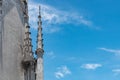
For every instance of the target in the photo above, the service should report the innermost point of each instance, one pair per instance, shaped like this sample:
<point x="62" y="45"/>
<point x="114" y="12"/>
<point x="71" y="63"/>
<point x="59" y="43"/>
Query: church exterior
<point x="16" y="56"/>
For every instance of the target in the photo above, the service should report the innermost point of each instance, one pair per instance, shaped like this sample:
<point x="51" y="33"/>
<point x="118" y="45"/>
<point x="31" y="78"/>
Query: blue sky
<point x="81" y="38"/>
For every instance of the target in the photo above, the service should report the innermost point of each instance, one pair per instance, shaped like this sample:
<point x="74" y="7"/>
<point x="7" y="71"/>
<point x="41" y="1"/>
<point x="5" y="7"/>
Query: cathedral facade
<point x="16" y="55"/>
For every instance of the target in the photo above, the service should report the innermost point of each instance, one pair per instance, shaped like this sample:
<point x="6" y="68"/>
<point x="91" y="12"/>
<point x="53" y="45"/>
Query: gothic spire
<point x="39" y="51"/>
<point x="28" y="54"/>
<point x="39" y="35"/>
<point x="27" y="49"/>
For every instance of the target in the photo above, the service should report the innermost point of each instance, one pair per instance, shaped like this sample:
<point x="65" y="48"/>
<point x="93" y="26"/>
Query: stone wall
<point x="0" y="49"/>
<point x="11" y="41"/>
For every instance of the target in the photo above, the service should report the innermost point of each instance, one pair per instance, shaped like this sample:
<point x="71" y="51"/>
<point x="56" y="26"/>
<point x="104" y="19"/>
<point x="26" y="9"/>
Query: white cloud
<point x="59" y="75"/>
<point x="91" y="66"/>
<point x="117" y="52"/>
<point x="49" y="17"/>
<point x="62" y="72"/>
<point x="116" y="71"/>
<point x="50" y="54"/>
<point x="52" y="17"/>
<point x="71" y="58"/>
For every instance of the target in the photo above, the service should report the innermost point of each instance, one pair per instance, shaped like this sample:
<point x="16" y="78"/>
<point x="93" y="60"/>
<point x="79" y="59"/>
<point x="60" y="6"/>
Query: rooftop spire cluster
<point x="29" y="61"/>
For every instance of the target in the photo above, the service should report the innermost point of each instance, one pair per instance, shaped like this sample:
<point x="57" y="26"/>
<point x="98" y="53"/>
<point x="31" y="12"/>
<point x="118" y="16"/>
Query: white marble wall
<point x="39" y="70"/>
<point x="12" y="38"/>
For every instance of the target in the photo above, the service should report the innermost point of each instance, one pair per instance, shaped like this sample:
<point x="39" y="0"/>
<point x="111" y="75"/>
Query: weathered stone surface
<point x="0" y="44"/>
<point x="0" y="51"/>
<point x="39" y="69"/>
<point x="10" y="40"/>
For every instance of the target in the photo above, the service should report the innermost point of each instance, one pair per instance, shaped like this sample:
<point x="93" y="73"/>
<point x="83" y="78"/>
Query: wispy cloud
<point x="49" y="17"/>
<point x="91" y="66"/>
<point x="52" y="17"/>
<point x="62" y="72"/>
<point x="50" y="55"/>
<point x="117" y="52"/>
<point x="116" y="71"/>
<point x="71" y="58"/>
